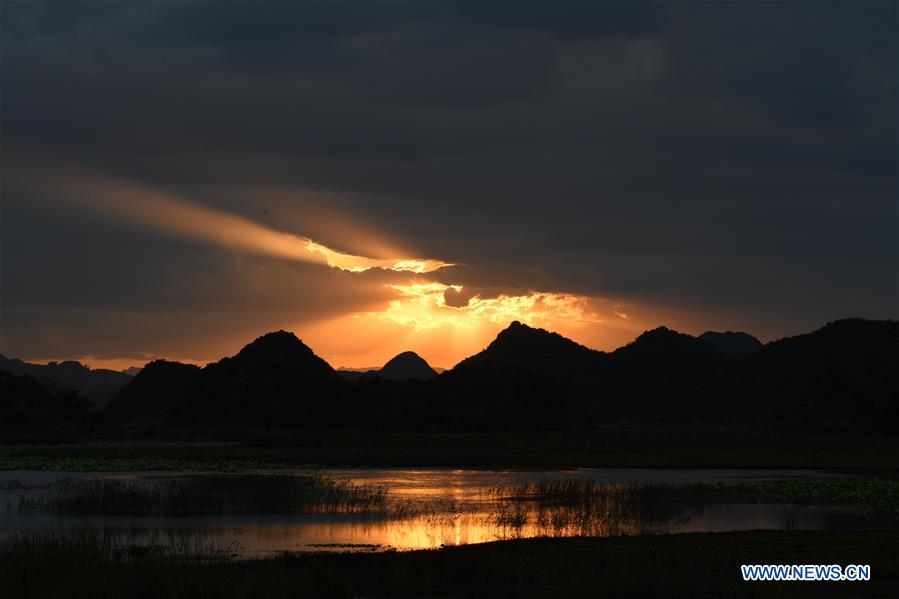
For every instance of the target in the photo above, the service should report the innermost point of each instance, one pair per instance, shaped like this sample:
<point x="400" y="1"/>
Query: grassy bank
<point x="604" y="448"/>
<point x="694" y="565"/>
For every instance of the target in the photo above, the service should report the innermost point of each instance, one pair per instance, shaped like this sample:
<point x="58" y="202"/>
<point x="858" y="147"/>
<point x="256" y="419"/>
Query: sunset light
<point x="181" y="217"/>
<point x="518" y="299"/>
<point x="352" y="263"/>
<point x="423" y="306"/>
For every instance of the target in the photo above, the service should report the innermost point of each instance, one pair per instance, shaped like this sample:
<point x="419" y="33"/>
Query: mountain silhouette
<point x="402" y="367"/>
<point x="490" y="396"/>
<point x="658" y="376"/>
<point x="281" y="350"/>
<point x="845" y="373"/>
<point x="96" y="385"/>
<point x="275" y="380"/>
<point x="537" y="350"/>
<point x="407" y="365"/>
<point x="154" y="392"/>
<point x="630" y="382"/>
<point x="732" y="344"/>
<point x="667" y="349"/>
<point x="840" y="377"/>
<point x="526" y="378"/>
<point x="661" y="375"/>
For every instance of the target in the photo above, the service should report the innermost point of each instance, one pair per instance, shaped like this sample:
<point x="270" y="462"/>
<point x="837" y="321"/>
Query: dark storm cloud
<point x="570" y="20"/>
<point x="306" y="78"/>
<point x="720" y="157"/>
<point x="831" y="68"/>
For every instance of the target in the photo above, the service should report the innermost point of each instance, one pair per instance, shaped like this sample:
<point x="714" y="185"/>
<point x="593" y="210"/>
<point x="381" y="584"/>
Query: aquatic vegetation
<point x="210" y="494"/>
<point x="383" y="509"/>
<point x="567" y="489"/>
<point x="606" y="448"/>
<point x="874" y="495"/>
<point x="577" y="507"/>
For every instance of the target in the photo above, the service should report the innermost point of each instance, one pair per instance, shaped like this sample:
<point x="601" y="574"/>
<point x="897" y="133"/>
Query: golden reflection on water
<point x="522" y="520"/>
<point x="430" y="508"/>
<point x="414" y="533"/>
<point x="437" y="508"/>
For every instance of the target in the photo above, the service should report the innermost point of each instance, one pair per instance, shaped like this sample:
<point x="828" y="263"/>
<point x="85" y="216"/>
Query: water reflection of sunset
<point x="429" y="508"/>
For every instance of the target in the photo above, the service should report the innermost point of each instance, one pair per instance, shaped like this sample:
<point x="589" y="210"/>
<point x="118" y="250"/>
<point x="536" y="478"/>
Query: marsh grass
<point x="212" y="494"/>
<point x="575" y="507"/>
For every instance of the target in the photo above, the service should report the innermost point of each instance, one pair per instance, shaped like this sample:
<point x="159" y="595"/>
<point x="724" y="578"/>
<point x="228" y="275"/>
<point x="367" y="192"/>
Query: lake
<point x="430" y="507"/>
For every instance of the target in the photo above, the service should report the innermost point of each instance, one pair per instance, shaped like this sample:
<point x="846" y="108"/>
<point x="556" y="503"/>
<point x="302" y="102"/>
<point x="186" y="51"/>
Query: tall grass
<point x="212" y="494"/>
<point x="575" y="507"/>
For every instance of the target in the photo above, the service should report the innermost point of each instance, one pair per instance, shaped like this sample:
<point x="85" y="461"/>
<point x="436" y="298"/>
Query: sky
<point x="179" y="178"/>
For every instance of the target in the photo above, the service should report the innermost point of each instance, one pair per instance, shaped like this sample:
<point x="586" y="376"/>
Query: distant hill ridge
<point x="153" y="392"/>
<point x="732" y="344"/>
<point x="282" y="348"/>
<point x="405" y="366"/>
<point x="96" y="385"/>
<point x="527" y="348"/>
<point x="844" y="375"/>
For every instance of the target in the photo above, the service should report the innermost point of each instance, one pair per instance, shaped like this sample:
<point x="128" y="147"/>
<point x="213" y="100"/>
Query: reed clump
<point x="577" y="507"/>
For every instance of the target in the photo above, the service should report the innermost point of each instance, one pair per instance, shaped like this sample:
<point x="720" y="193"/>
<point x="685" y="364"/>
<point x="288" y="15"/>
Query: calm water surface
<point x="452" y="507"/>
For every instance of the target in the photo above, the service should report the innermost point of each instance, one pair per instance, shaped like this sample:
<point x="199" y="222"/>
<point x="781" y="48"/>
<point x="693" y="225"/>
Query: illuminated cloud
<point x="445" y="323"/>
<point x="423" y="305"/>
<point x="176" y="216"/>
<point x="353" y="263"/>
<point x="526" y="160"/>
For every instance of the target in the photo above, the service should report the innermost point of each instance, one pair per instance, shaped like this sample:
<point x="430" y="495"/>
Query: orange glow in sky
<point x="443" y="323"/>
<point x="180" y="217"/>
<point x="419" y="319"/>
<point x="423" y="306"/>
<point x="353" y="263"/>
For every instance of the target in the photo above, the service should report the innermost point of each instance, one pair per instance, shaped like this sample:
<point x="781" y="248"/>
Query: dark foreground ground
<point x="690" y="565"/>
